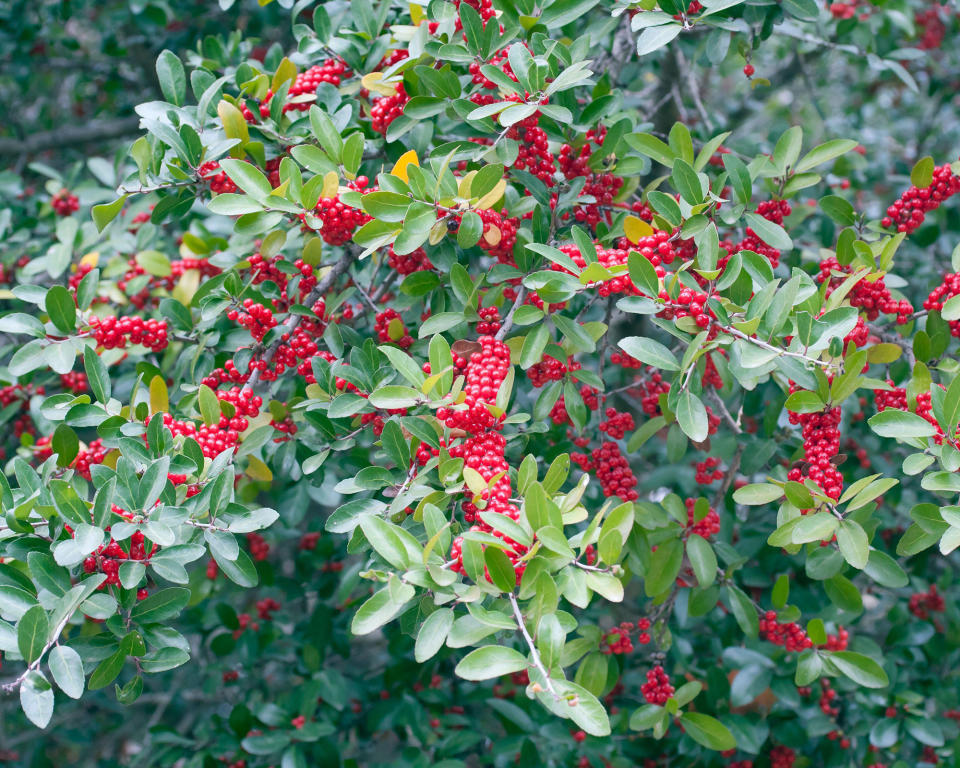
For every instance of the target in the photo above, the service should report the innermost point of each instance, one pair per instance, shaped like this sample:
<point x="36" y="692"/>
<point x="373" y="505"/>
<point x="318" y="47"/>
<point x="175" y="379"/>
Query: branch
<point x="533" y="649"/>
<point x="69" y="136"/>
<point x="508" y="320"/>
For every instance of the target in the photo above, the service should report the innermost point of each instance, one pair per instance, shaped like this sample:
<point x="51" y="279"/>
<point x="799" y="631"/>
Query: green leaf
<point x="687" y="182"/>
<point x="61" y="308"/>
<point x="653" y="38"/>
<point x="162" y="605"/>
<point x="104" y="213"/>
<point x="500" y="569"/>
<point x="816" y="527"/>
<point x="861" y="669"/>
<point x="703" y="560"/>
<point x="32" y="631"/>
<point x="650" y="352"/>
<point x="67" y="670"/>
<point x="36" y="699"/>
<point x="107" y="671"/>
<point x="707" y="731"/>
<point x="922" y="174"/>
<point x="853" y="543"/>
<point x="394" y="396"/>
<point x="173" y="79"/>
<point x="382" y="607"/>
<point x="665" y="564"/>
<point x="97" y="375"/>
<point x="838" y="209"/>
<point x="433" y="634"/>
<point x="900" y="424"/>
<point x="692" y="416"/>
<point x="772" y="234"/>
<point x="824" y="153"/>
<point x="490" y="661"/>
<point x="757" y="494"/>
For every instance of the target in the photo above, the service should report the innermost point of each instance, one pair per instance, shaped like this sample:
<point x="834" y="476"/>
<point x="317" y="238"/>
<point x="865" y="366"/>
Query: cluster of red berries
<point x="947" y="289"/>
<point x="107" y="558"/>
<point x="499" y="235"/>
<point x="872" y="296"/>
<point x="94" y="453"/>
<point x="821" y="444"/>
<point x="933" y="29"/>
<point x="846" y="10"/>
<point x="74" y="381"/>
<point x="485" y="372"/>
<point x="837" y="642"/>
<point x="611" y="469"/>
<point x="909" y="211"/>
<point x="922" y="603"/>
<point x="782" y="757"/>
<point x="827" y="697"/>
<point x="618" y="423"/>
<point x="790" y="635"/>
<point x="549" y="369"/>
<point x="386" y="109"/>
<point x="218" y="180"/>
<point x="705" y="527"/>
<point x="707" y="471"/>
<point x="896" y="398"/>
<point x="256" y="318"/>
<point x="617" y="640"/>
<point x="213" y="439"/>
<point x="64" y="203"/>
<point x="332" y="71"/>
<point x="266" y="608"/>
<point x="689" y="303"/>
<point x="113" y="332"/>
<point x="389" y="328"/>
<point x="339" y="221"/>
<point x="489" y="322"/>
<point x="837" y="736"/>
<point x="657" y="689"/>
<point x="416" y="261"/>
<point x="259" y="548"/>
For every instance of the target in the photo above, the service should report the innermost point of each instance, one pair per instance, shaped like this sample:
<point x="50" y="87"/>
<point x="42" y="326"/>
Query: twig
<point x="538" y="663"/>
<point x="508" y="320"/>
<point x="785" y="352"/>
<point x="728" y="478"/>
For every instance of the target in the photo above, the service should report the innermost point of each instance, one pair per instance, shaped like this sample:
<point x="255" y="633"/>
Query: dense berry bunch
<point x="485" y="373"/>
<point x="790" y="635"/>
<point x="707" y="526"/>
<point x="617" y="423"/>
<point x="218" y="180"/>
<point x="922" y="603"/>
<point x="947" y="289"/>
<point x="256" y="318"/>
<point x="821" y="444"/>
<point x="909" y="211"/>
<point x="116" y="332"/>
<point x="708" y="471"/>
<point x="386" y="109"/>
<point x="657" y="689"/>
<point x="870" y="295"/>
<point x="64" y="203"/>
<point x="332" y="71"/>
<point x="390" y="328"/>
<point x="339" y="221"/>
<point x="409" y="263"/>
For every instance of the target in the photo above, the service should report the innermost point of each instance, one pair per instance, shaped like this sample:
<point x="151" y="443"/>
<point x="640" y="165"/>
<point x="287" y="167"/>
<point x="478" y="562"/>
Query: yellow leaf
<point x="281" y="191"/>
<point x="417" y="14"/>
<point x="395" y="329"/>
<point x="406" y="159"/>
<point x="110" y="460"/>
<point x="492" y="196"/>
<point x="493" y="235"/>
<point x="187" y="286"/>
<point x="437" y="232"/>
<point x="331" y="185"/>
<point x="90" y="260"/>
<point x="373" y="81"/>
<point x="234" y="126"/>
<point x="159" y="399"/>
<point x="463" y="189"/>
<point x="313" y="251"/>
<point x="286" y="71"/>
<point x="259" y="471"/>
<point x="430" y="382"/>
<point x="635" y="228"/>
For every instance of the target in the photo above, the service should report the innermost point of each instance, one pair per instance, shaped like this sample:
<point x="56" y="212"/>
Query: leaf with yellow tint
<point x="417" y="14"/>
<point x="406" y="160"/>
<point x="492" y="196"/>
<point x="286" y="71"/>
<point x="90" y="259"/>
<point x="373" y="81"/>
<point x="395" y="329"/>
<point x="159" y="399"/>
<point x="493" y="235"/>
<point x="437" y="232"/>
<point x="234" y="126"/>
<point x="331" y="185"/>
<point x="635" y="229"/>
<point x="187" y="286"/>
<point x="257" y="470"/>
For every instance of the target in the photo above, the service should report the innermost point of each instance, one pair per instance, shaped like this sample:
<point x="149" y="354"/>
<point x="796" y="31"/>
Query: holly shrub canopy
<point x="479" y="383"/>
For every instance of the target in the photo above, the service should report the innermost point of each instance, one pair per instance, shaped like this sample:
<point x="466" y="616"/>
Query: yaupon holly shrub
<point x="429" y="396"/>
